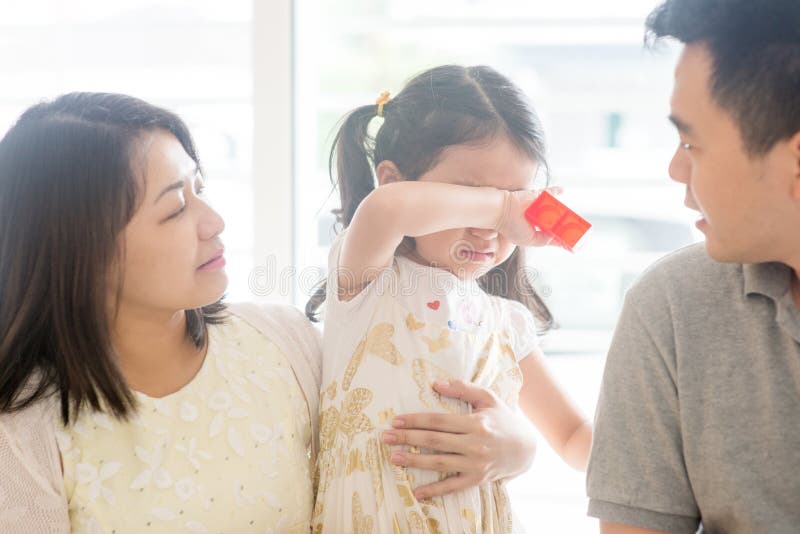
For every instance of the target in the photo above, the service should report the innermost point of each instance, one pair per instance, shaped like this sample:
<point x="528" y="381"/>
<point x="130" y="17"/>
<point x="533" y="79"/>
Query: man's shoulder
<point x="689" y="277"/>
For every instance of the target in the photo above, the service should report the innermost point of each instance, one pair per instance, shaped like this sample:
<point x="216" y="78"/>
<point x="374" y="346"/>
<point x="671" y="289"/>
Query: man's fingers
<point x="424" y="439"/>
<point x="448" y="485"/>
<point x="444" y="463"/>
<point x="439" y="422"/>
<point x="478" y="397"/>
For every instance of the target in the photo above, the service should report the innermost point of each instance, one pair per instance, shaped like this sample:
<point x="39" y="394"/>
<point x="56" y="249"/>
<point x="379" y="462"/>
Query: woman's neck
<point x="154" y="352"/>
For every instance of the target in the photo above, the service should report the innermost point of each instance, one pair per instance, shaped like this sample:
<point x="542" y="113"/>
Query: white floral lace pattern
<point x="226" y="453"/>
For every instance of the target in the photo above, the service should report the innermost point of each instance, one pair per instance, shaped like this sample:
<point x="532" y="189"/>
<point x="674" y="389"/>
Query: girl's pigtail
<point x="352" y="156"/>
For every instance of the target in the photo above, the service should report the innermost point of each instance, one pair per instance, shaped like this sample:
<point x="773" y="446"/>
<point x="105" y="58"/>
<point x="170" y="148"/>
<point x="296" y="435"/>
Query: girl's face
<point x="172" y="250"/>
<point x="471" y="252"/>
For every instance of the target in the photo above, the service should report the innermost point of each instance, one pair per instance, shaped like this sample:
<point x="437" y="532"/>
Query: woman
<point x="131" y="398"/>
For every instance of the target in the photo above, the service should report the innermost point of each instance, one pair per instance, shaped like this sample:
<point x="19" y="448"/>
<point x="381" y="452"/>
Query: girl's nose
<point x="483" y="233"/>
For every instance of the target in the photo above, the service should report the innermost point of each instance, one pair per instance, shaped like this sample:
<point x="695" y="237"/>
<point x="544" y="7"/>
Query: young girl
<point x="427" y="285"/>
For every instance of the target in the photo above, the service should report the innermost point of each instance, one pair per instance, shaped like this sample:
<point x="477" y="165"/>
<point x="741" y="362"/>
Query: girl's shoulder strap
<point x="294" y="335"/>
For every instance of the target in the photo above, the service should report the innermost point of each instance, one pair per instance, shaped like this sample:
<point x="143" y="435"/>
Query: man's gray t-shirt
<point x="699" y="411"/>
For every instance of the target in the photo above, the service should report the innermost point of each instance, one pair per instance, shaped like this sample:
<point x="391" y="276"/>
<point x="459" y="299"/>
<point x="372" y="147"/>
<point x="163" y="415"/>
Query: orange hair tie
<point x="382" y="100"/>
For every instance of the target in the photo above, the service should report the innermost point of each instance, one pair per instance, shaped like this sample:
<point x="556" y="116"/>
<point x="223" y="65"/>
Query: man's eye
<point x="687" y="146"/>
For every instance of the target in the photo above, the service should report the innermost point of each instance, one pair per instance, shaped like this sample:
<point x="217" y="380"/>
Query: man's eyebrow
<point x="682" y="126"/>
<point x="180" y="184"/>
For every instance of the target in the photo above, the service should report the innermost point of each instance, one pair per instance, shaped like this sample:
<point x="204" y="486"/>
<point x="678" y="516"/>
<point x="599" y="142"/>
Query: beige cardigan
<point x="32" y="496"/>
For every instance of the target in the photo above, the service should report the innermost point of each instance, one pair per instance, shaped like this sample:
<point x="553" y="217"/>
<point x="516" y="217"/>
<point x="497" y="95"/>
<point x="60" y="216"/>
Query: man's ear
<point x="794" y="147"/>
<point x="388" y="173"/>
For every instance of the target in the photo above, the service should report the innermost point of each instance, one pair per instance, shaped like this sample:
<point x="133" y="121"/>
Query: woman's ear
<point x="387" y="173"/>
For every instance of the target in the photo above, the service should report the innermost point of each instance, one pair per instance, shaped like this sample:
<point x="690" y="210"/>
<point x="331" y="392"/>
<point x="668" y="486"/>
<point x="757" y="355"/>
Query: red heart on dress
<point x="434" y="305"/>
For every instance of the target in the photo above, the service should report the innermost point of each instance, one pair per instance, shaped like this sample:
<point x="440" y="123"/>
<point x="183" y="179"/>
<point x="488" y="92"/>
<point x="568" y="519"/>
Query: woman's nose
<point x="211" y="223"/>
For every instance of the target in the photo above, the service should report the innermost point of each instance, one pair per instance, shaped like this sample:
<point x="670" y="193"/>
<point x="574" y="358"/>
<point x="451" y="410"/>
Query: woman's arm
<point x="551" y="411"/>
<point x="31" y="476"/>
<point x="409" y="208"/>
<point x="490" y="443"/>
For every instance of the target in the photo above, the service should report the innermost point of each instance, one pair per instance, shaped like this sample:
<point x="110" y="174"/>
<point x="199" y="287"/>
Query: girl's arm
<point x="410" y="208"/>
<point x="551" y="411"/>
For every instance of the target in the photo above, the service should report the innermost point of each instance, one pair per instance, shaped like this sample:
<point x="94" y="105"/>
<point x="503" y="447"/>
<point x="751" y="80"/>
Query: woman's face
<point x="172" y="250"/>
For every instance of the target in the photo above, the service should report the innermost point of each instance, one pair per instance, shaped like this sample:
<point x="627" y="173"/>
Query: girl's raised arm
<point x="413" y="208"/>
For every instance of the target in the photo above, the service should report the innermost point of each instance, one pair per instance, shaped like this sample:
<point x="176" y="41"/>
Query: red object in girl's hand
<point x="552" y="217"/>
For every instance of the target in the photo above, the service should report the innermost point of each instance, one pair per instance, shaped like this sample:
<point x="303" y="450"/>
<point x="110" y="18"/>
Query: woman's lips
<point x="217" y="262"/>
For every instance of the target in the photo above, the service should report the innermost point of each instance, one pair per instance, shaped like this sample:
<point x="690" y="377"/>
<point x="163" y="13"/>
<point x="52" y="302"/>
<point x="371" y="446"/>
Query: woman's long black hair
<point x="68" y="188"/>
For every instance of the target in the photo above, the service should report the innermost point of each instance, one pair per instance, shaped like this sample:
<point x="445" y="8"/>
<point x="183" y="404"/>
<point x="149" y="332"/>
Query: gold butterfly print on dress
<point x="412" y="323"/>
<point x="375" y="459"/>
<point x="379" y="343"/>
<point x="329" y="391"/>
<point x="419" y="525"/>
<point x="362" y="523"/>
<point x="355" y="462"/>
<point x="350" y="421"/>
<point x="472" y="521"/>
<point x="386" y="416"/>
<point x="425" y="373"/>
<point x="487" y="358"/>
<point x="442" y="342"/>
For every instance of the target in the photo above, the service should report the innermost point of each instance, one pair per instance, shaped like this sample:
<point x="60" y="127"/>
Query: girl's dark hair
<point x="68" y="187"/>
<point x="441" y="107"/>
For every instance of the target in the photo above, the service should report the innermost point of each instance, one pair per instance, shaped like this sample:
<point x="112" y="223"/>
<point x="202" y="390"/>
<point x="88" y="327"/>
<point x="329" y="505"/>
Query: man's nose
<point x="680" y="168"/>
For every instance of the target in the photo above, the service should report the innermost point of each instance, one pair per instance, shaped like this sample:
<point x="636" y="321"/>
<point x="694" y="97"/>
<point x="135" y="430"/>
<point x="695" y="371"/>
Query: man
<point x="698" y="422"/>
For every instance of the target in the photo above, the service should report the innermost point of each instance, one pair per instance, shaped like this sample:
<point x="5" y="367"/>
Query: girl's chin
<point x="469" y="272"/>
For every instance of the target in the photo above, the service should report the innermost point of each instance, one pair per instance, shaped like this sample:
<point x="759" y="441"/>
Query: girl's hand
<point x="488" y="444"/>
<point x="513" y="223"/>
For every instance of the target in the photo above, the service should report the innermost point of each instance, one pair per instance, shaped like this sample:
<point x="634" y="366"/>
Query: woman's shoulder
<point x="31" y="467"/>
<point x="37" y="418"/>
<point x="293" y="334"/>
<point x="284" y="319"/>
<point x="271" y="311"/>
<point x="287" y="328"/>
<point x="284" y="325"/>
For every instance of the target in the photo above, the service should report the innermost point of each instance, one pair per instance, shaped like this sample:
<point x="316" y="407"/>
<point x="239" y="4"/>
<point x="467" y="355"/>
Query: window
<point x="193" y="57"/>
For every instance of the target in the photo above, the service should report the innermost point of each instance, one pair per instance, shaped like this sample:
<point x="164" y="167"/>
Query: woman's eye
<point x="177" y="213"/>
<point x="687" y="146"/>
